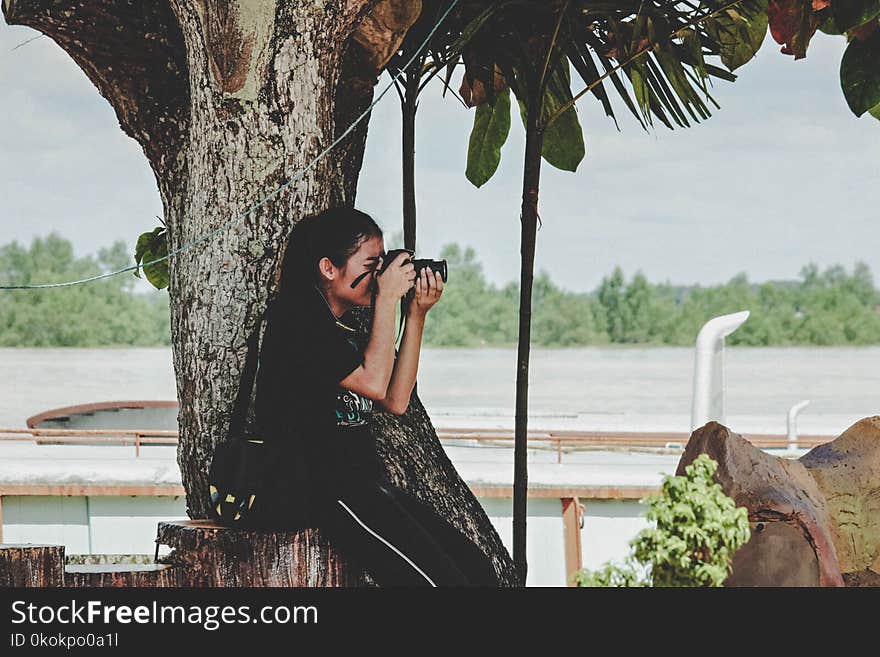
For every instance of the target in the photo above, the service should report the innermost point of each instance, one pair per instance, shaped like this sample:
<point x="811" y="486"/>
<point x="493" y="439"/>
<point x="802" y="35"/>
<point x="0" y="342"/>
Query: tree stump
<point x="121" y="575"/>
<point x="207" y="554"/>
<point x="31" y="565"/>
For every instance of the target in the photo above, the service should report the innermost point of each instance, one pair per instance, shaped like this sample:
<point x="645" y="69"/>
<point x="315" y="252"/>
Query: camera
<point x="418" y="263"/>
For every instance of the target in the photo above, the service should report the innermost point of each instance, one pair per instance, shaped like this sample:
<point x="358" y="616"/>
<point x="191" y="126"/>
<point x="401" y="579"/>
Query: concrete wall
<point x="42" y="519"/>
<point x="89" y="525"/>
<point x="609" y="525"/>
<point x="545" y="552"/>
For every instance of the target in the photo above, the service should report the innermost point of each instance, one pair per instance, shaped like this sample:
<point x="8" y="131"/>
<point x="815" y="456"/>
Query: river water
<point x="593" y="388"/>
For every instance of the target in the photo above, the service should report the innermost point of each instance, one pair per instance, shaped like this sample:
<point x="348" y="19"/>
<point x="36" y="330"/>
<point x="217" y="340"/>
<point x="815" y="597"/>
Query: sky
<point x="782" y="175"/>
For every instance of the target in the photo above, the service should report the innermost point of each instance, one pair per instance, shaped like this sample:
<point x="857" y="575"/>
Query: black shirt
<point x="305" y="354"/>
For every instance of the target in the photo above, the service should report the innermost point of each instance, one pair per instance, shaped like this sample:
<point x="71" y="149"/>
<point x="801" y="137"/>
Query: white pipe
<point x="792" y="422"/>
<point x="707" y="402"/>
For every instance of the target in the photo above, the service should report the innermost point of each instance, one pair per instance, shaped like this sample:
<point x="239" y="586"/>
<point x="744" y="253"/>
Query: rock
<point x="847" y="471"/>
<point x="791" y="542"/>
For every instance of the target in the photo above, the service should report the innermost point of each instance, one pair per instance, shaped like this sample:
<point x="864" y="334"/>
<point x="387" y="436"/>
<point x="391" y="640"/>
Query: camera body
<point x="418" y="263"/>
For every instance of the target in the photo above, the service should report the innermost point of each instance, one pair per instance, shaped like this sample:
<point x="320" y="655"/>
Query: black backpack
<point x="237" y="474"/>
<point x="253" y="484"/>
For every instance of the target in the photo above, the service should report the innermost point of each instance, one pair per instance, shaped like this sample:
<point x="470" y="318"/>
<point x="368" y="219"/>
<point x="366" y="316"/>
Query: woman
<point x="321" y="388"/>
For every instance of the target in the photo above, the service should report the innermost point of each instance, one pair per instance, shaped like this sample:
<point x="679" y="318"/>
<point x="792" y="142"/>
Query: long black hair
<point x="335" y="233"/>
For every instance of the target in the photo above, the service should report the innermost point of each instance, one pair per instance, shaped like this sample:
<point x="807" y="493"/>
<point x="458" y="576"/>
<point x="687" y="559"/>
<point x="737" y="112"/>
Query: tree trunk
<point x="528" y="220"/>
<point x="408" y="110"/>
<point x="229" y="101"/>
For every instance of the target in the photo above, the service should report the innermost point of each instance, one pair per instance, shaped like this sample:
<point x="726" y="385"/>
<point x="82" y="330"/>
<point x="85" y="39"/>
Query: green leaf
<point x="694" y="47"/>
<point x="739" y="33"/>
<point x="491" y="127"/>
<point x="852" y="13"/>
<point x="664" y="94"/>
<point x="677" y="76"/>
<point x="563" y="145"/>
<point x="589" y="72"/>
<point x="151" y="246"/>
<point x="646" y="95"/>
<point x="860" y="74"/>
<point x="564" y="138"/>
<point x="641" y="91"/>
<point x="875" y="112"/>
<point x="621" y="89"/>
<point x="720" y="73"/>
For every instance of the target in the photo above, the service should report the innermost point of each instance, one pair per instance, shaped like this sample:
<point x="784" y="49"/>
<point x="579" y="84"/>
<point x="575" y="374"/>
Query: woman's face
<point x="364" y="259"/>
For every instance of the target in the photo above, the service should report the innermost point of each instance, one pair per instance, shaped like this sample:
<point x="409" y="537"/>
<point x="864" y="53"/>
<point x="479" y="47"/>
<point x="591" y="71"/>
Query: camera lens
<point x="435" y="265"/>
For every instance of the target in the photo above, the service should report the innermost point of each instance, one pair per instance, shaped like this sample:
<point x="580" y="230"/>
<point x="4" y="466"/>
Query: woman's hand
<point x="397" y="280"/>
<point x="429" y="287"/>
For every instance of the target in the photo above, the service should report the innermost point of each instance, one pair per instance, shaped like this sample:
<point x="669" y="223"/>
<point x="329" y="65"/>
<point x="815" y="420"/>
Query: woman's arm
<point x="403" y="378"/>
<point x="371" y="378"/>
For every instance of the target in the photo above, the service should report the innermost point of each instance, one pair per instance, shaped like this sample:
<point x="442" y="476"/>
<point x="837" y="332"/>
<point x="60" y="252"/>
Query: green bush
<point x="695" y="531"/>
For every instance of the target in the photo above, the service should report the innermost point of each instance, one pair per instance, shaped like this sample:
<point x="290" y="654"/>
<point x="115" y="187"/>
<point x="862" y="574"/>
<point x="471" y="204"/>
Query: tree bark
<point x="31" y="565"/>
<point x="230" y="99"/>
<point x="205" y="554"/>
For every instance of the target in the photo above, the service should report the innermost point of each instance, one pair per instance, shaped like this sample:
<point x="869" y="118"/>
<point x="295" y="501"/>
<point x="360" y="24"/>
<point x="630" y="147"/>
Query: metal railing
<point x="137" y="437"/>
<point x="563" y="441"/>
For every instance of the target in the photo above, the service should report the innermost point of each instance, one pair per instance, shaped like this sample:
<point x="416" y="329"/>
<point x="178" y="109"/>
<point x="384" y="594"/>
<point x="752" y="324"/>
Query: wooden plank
<point x="623" y="438"/>
<point x="587" y="492"/>
<point x="559" y="439"/>
<point x="92" y="432"/>
<point x="87" y="490"/>
<point x="173" y="490"/>
<point x="571" y="536"/>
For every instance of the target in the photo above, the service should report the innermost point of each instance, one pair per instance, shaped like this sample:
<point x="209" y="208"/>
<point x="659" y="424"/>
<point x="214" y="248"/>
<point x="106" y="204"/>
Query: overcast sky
<point x="781" y="176"/>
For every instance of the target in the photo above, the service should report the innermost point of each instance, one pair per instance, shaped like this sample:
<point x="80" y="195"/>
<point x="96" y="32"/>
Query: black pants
<point x="399" y="540"/>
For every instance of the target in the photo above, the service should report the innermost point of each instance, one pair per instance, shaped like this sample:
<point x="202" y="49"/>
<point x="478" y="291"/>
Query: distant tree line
<point x="104" y="312"/>
<point x="823" y="308"/>
<point x="831" y="307"/>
